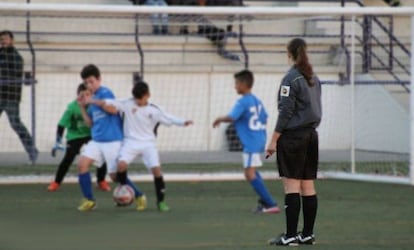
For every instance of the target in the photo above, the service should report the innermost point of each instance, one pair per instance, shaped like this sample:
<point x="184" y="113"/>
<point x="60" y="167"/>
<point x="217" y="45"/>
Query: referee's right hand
<point x="269" y="152"/>
<point x="271" y="149"/>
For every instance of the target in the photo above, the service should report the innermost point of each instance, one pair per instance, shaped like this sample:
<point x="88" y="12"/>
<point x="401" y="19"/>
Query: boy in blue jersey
<point x="249" y="117"/>
<point x="106" y="133"/>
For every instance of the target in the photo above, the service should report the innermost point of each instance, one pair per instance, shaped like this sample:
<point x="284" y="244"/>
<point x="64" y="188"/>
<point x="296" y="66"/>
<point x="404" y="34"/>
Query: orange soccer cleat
<point x="54" y="186"/>
<point x="104" y="186"/>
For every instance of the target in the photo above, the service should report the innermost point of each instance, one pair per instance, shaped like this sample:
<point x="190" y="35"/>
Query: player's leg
<point x="13" y="113"/>
<point x="309" y="210"/>
<point x="308" y="191"/>
<point x="100" y="178"/>
<point x="119" y="174"/>
<point x="72" y="149"/>
<point x="122" y="177"/>
<point x="85" y="183"/>
<point x="126" y="155"/>
<point x="250" y="162"/>
<point x="90" y="154"/>
<point x="101" y="173"/>
<point x="292" y="211"/>
<point x="151" y="160"/>
<point x="156" y="29"/>
<point x="292" y="205"/>
<point x="164" y="18"/>
<point x="160" y="189"/>
<point x="291" y="158"/>
<point x="85" y="177"/>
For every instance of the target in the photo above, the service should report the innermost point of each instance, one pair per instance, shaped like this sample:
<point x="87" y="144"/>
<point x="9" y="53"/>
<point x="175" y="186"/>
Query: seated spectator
<point x="184" y="18"/>
<point x="159" y="21"/>
<point x="219" y="35"/>
<point x="393" y="3"/>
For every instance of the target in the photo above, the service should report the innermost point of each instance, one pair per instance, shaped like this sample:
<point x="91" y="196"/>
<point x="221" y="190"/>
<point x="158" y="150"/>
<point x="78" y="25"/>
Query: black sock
<point x="159" y="188"/>
<point x="61" y="172"/>
<point x="121" y="177"/>
<point x="292" y="210"/>
<point x="101" y="173"/>
<point x="65" y="165"/>
<point x="310" y="207"/>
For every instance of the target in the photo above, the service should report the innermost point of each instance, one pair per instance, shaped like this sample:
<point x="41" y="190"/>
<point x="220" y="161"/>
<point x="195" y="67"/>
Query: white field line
<point x="197" y="177"/>
<point x="229" y="176"/>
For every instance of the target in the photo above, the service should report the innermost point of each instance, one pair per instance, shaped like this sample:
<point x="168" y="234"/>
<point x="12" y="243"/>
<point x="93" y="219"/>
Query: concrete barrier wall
<point x="381" y="123"/>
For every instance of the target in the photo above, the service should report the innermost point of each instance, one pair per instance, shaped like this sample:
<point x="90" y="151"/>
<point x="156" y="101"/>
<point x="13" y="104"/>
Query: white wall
<point x="381" y="122"/>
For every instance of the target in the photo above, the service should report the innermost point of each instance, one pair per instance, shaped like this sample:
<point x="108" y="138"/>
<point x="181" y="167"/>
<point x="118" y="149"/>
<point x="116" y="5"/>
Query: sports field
<point x="205" y="215"/>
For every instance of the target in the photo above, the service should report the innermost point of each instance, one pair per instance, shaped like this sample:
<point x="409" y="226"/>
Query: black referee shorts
<point x="298" y="154"/>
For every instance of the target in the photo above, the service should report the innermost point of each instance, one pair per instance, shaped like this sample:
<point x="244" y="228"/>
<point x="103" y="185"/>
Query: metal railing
<point x="370" y="55"/>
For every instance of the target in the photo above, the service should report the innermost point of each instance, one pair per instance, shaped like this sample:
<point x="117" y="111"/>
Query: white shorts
<point x="102" y="152"/>
<point x="147" y="150"/>
<point x="252" y="160"/>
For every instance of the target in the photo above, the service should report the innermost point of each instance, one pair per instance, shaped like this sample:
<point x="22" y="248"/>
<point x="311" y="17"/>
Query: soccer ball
<point x="123" y="195"/>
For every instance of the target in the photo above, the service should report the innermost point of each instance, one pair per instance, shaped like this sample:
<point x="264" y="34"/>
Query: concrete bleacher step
<point x="56" y="53"/>
<point x="397" y="92"/>
<point x="55" y="38"/>
<point x="400" y="95"/>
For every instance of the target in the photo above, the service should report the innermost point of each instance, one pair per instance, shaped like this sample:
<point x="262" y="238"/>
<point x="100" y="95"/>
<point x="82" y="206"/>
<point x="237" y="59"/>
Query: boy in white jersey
<point x="141" y="120"/>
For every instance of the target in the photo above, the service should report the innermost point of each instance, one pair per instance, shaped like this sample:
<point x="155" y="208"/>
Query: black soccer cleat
<point x="283" y="240"/>
<point x="306" y="240"/>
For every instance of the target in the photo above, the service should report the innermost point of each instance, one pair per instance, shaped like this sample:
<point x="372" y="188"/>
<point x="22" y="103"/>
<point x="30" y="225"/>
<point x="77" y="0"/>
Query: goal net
<point x="188" y="56"/>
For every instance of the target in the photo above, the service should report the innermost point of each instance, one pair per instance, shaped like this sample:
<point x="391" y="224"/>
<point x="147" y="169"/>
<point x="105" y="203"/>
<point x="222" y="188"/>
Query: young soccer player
<point x="77" y="135"/>
<point x="106" y="132"/>
<point x="249" y="117"/>
<point x="141" y="120"/>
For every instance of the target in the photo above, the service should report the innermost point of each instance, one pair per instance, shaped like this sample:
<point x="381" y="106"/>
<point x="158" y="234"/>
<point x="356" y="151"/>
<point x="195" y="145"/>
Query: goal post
<point x="367" y="128"/>
<point x="412" y="106"/>
<point x="223" y="11"/>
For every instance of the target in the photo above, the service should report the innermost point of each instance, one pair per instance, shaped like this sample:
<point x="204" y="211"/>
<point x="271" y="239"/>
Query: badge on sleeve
<point x="284" y="91"/>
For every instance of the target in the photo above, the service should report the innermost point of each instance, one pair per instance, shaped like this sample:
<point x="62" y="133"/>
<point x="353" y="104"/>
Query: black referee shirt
<point x="299" y="104"/>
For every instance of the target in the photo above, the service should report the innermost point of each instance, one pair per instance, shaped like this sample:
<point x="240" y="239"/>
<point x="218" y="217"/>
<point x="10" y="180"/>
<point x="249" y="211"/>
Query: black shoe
<point x="261" y="202"/>
<point x="260" y="206"/>
<point x="284" y="241"/>
<point x="306" y="240"/>
<point x="393" y="3"/>
<point x="156" y="30"/>
<point x="184" y="31"/>
<point x="164" y="30"/>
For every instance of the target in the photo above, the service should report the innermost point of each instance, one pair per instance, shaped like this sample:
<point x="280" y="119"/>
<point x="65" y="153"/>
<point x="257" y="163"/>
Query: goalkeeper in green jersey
<point x="78" y="134"/>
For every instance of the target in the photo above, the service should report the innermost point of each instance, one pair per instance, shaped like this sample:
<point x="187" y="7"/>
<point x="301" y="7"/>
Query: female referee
<point x="295" y="142"/>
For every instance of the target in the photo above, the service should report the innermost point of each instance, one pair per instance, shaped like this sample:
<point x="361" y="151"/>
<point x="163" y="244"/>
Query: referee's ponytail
<point x="297" y="48"/>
